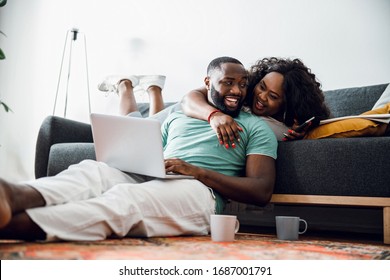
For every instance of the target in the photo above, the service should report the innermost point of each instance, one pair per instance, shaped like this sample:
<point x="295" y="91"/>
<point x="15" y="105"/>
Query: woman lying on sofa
<point x="282" y="92"/>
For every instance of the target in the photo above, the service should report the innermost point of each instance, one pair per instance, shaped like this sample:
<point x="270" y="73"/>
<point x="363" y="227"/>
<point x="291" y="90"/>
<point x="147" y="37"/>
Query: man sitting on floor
<point x="92" y="201"/>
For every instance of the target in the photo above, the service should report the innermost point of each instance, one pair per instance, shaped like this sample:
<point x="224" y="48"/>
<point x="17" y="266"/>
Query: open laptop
<point x="130" y="144"/>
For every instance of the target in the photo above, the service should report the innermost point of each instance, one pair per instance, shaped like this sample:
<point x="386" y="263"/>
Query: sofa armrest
<point x="58" y="130"/>
<point x="63" y="155"/>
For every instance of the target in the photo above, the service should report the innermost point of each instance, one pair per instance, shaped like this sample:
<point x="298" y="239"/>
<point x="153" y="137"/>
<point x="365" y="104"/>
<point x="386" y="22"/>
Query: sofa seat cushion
<point x="334" y="166"/>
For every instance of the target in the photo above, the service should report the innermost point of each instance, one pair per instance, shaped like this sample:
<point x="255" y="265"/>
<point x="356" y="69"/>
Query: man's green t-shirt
<point x="195" y="142"/>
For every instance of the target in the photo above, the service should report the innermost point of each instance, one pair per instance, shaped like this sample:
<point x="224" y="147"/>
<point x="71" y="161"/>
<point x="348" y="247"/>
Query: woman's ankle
<point x="125" y="85"/>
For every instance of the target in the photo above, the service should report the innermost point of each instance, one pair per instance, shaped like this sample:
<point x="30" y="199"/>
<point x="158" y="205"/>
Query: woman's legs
<point x="153" y="85"/>
<point x="155" y="99"/>
<point x="124" y="86"/>
<point x="127" y="103"/>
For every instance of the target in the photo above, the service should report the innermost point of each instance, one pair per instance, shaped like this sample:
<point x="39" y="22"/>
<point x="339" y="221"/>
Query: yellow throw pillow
<point x="351" y="127"/>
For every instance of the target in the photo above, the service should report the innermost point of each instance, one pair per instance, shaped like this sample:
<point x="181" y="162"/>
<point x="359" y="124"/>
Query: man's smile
<point x="232" y="101"/>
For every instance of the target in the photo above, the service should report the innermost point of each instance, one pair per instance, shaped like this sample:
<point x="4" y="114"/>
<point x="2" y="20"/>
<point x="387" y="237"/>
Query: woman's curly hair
<point x="303" y="95"/>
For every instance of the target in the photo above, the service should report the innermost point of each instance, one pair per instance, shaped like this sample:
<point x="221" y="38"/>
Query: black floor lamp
<point x="73" y="34"/>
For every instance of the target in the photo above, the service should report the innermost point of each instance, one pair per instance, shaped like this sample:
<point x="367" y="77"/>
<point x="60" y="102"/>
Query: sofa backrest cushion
<point x="353" y="101"/>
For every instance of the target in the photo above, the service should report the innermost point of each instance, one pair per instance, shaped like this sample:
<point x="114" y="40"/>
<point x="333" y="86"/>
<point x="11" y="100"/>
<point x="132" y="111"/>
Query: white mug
<point x="223" y="227"/>
<point x="287" y="227"/>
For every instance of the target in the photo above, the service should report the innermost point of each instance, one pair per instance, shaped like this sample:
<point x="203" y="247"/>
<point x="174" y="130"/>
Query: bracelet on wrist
<point x="211" y="114"/>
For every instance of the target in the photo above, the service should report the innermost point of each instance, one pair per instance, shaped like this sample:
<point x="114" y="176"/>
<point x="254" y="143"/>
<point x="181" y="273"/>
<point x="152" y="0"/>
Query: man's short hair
<point x="216" y="63"/>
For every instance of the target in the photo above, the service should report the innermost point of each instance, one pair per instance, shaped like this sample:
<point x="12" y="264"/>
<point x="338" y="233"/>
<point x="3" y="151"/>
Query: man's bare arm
<point x="255" y="188"/>
<point x="194" y="104"/>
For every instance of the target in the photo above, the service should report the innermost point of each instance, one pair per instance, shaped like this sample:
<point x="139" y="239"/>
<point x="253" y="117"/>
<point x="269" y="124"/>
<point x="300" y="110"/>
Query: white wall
<point x="345" y="42"/>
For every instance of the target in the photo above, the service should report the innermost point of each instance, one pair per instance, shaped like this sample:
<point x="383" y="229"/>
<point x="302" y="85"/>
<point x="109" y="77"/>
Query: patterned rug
<point x="245" y="247"/>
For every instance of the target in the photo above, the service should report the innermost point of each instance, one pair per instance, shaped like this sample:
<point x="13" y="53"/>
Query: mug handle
<point x="237" y="227"/>
<point x="302" y="232"/>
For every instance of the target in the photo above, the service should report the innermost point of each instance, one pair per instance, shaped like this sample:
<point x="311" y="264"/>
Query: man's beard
<point x="218" y="100"/>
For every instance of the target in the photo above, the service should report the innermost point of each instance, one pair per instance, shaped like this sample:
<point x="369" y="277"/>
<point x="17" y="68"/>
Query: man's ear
<point x="207" y="82"/>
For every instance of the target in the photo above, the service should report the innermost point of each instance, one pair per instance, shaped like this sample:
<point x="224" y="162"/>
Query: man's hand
<point x="179" y="166"/>
<point x="226" y="128"/>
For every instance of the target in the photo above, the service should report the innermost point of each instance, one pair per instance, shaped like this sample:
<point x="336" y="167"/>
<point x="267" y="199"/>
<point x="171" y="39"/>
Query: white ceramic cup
<point x="287" y="227"/>
<point x="223" y="227"/>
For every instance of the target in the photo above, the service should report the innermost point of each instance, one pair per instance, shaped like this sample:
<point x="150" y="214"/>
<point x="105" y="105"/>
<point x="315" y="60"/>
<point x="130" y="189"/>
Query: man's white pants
<point x="92" y="201"/>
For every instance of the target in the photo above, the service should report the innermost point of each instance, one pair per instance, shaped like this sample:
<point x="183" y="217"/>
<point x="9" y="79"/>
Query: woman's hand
<point x="226" y="128"/>
<point x="293" y="135"/>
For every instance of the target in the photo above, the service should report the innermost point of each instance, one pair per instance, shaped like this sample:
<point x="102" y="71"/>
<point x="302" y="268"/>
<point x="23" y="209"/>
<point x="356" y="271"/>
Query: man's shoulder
<point x="179" y="118"/>
<point x="245" y="115"/>
<point x="177" y="113"/>
<point x="254" y="124"/>
<point x="174" y="115"/>
<point x="248" y="118"/>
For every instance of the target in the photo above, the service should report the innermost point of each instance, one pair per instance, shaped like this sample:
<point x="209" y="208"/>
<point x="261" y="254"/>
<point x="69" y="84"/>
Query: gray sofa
<point x="333" y="167"/>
